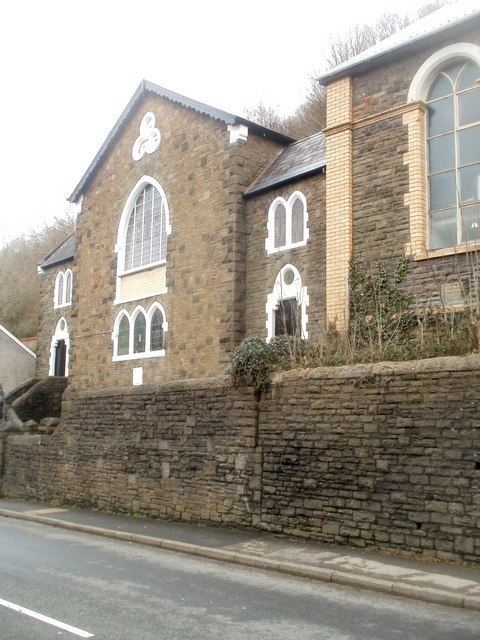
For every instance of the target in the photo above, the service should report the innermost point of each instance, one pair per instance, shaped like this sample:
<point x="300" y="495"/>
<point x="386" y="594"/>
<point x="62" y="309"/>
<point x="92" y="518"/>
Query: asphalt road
<point x="121" y="591"/>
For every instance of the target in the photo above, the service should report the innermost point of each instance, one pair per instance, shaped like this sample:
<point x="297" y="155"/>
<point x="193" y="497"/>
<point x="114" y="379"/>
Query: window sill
<point x="139" y="356"/>
<point x="447" y="251"/>
<point x="62" y="306"/>
<point x="287" y="247"/>
<point x="145" y="267"/>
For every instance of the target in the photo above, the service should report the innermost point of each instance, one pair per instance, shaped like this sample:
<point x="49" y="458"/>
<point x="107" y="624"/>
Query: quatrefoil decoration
<point x="148" y="140"/>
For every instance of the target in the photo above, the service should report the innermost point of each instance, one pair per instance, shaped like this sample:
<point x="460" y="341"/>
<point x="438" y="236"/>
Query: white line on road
<point x="42" y="618"/>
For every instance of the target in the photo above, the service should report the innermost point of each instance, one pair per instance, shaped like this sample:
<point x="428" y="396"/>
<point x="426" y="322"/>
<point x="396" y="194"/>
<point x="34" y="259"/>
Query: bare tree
<point x="19" y="284"/>
<point x="309" y="117"/>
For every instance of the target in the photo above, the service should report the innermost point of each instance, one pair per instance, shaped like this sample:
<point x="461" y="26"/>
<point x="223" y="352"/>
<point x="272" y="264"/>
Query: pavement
<point x="55" y="582"/>
<point x="454" y="585"/>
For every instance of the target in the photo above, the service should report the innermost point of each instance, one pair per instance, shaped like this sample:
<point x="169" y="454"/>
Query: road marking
<point x="42" y="618"/>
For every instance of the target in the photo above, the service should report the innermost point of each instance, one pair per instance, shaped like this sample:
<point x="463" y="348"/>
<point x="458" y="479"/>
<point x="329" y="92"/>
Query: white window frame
<point x="288" y="204"/>
<point x="60" y="334"/>
<point x="62" y="276"/>
<point x="418" y="92"/>
<point x="282" y="291"/>
<point x="131" y="320"/>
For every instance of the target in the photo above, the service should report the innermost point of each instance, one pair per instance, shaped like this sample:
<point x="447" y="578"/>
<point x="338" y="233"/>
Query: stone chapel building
<point x="197" y="226"/>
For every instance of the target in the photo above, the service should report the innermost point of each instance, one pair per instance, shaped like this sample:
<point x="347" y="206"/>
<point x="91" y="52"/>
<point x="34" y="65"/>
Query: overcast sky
<point x="68" y="69"/>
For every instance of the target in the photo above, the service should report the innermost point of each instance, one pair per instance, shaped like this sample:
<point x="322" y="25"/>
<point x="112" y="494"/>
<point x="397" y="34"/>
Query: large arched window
<point x="144" y="227"/>
<point x="146" y="237"/>
<point x="287" y="223"/>
<point x="453" y="133"/>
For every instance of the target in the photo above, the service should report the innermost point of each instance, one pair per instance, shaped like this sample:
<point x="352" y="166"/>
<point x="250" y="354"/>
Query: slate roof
<point x="62" y="253"/>
<point x="149" y="87"/>
<point x="422" y="31"/>
<point x="299" y="159"/>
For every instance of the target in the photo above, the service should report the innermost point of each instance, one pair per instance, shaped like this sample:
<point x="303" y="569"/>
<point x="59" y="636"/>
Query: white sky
<point x="69" y="67"/>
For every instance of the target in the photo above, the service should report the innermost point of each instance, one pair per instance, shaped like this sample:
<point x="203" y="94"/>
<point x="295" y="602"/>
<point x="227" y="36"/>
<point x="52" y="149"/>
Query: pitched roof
<point x="423" y="30"/>
<point x="299" y="159"/>
<point x="62" y="253"/>
<point x="16" y="340"/>
<point x="148" y="87"/>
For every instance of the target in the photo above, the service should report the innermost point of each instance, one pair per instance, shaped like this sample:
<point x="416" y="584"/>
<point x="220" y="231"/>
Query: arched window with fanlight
<point x="453" y="154"/>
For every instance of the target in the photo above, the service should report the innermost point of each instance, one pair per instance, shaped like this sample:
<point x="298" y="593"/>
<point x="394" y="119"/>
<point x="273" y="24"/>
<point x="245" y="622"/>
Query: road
<point x="116" y="590"/>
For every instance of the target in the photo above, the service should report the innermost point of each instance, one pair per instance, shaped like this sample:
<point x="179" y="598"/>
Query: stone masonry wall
<point x="262" y="269"/>
<point x="203" y="177"/>
<point x="49" y="316"/>
<point x="384" y="455"/>
<point x="381" y="217"/>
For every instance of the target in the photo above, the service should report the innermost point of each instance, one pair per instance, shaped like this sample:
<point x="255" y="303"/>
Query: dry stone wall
<point x="384" y="455"/>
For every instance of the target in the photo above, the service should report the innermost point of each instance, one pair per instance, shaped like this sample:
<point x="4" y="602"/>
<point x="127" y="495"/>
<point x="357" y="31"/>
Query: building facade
<point x="199" y="228"/>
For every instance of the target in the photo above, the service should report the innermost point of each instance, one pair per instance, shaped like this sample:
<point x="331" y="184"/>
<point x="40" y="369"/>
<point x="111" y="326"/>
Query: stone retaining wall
<point x="381" y="455"/>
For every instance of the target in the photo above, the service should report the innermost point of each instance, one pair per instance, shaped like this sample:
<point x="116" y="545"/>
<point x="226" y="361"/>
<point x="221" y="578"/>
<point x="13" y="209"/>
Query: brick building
<point x="198" y="228"/>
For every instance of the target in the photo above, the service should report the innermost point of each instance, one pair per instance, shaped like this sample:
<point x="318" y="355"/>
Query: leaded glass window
<point x="68" y="288"/>
<point x="298" y="214"/>
<point x="60" y="290"/>
<point x="123" y="336"/>
<point x="287" y="317"/>
<point x="280" y="226"/>
<point x="146" y="238"/>
<point x="156" y="331"/>
<point x="139" y="333"/>
<point x="454" y="155"/>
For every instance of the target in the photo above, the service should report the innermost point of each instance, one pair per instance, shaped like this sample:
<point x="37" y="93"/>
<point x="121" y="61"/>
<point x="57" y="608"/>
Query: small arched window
<point x="287" y="223"/>
<point x="146" y="234"/>
<point x="156" y="331"/>
<point x="453" y="134"/>
<point x="280" y="222"/>
<point x="123" y="336"/>
<point x="139" y="333"/>
<point x="68" y="287"/>
<point x="60" y="289"/>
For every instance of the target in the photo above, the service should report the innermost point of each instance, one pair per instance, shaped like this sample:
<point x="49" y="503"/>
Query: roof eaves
<point x="17" y="341"/>
<point x="45" y="260"/>
<point x="400" y="49"/>
<point x="277" y="181"/>
<point x="200" y="107"/>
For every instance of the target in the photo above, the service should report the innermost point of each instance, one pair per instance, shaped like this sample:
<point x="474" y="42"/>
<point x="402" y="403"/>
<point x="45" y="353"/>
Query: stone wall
<point x="42" y="400"/>
<point x="262" y="269"/>
<point x="49" y="315"/>
<point x="384" y="455"/>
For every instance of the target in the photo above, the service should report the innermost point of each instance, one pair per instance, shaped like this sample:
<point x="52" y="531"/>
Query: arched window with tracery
<point x="146" y="234"/>
<point x="453" y="154"/>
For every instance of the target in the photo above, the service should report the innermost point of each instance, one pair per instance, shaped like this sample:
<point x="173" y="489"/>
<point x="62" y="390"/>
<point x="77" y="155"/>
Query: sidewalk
<point x="446" y="584"/>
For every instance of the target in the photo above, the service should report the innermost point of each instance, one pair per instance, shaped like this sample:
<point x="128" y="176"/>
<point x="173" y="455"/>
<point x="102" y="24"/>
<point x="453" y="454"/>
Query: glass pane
<point x="469" y="145"/>
<point x="280" y="226"/>
<point x="470" y="183"/>
<point x="443" y="229"/>
<point x="297" y="221"/>
<point x="60" y="290"/>
<point x="68" y="289"/>
<point x="469" y="77"/>
<point x="471" y="223"/>
<point x="123" y="336"/>
<point x="442" y="190"/>
<point x="440" y="116"/>
<point x="440" y="88"/>
<point x="139" y="334"/>
<point x="287" y="318"/>
<point x="156" y="331"/>
<point x="453" y="70"/>
<point x="469" y="107"/>
<point x="441" y="153"/>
